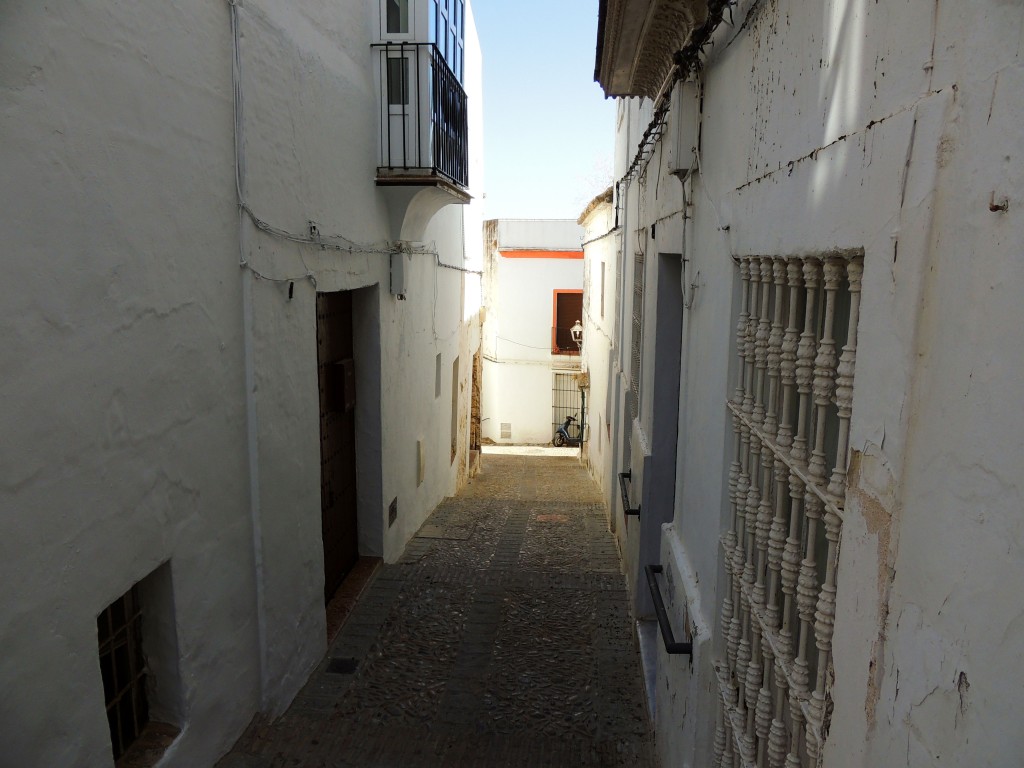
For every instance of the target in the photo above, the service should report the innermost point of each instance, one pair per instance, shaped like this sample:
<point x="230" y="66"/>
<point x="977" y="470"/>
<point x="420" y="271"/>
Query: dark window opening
<point x="124" y="670"/>
<point x="138" y="656"/>
<point x="568" y="311"/>
<point x="398" y="16"/>
<point x="455" y="407"/>
<point x="398" y="81"/>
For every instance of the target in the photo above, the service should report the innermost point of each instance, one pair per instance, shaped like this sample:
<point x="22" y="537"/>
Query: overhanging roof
<point x="636" y="40"/>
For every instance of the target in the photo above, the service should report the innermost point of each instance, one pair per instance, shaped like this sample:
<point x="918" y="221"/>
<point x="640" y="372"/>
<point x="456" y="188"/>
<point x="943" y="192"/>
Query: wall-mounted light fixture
<point x="577" y="334"/>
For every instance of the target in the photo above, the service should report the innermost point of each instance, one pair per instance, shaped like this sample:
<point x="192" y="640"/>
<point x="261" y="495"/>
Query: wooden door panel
<point x="336" y="373"/>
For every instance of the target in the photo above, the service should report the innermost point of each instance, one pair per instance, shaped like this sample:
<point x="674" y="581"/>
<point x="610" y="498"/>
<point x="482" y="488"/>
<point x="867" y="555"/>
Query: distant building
<point x="815" y="387"/>
<point x="240" y="320"/>
<point x="533" y="292"/>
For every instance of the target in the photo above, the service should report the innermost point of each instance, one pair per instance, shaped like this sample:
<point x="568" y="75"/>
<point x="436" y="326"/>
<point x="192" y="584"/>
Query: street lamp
<point x="577" y="334"/>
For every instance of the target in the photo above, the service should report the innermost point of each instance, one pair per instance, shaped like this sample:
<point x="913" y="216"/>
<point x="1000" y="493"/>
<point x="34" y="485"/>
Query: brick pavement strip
<point x="507" y="642"/>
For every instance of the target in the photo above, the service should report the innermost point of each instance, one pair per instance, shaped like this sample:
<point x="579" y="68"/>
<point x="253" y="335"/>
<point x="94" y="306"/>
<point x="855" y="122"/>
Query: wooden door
<point x="336" y="371"/>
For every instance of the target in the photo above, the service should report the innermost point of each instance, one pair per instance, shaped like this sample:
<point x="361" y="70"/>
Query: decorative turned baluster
<point x="764" y="524"/>
<point x="787" y="358"/>
<point x="741" y="333"/>
<point x="738" y="553"/>
<point x="844" y="381"/>
<point x="824" y="622"/>
<point x="825" y="371"/>
<point x="750" y="337"/>
<point x="791" y="567"/>
<point x="807" y="593"/>
<point x="805" y="359"/>
<point x="730" y="700"/>
<point x="720" y="736"/>
<point x="752" y="688"/>
<point x="761" y="336"/>
<point x="796" y="715"/>
<point x="777" y="542"/>
<point x="771" y="416"/>
<point x="763" y="715"/>
<point x="753" y="501"/>
<point x="778" y="739"/>
<point x="729" y="756"/>
<point x="730" y="538"/>
<point x="742" y="662"/>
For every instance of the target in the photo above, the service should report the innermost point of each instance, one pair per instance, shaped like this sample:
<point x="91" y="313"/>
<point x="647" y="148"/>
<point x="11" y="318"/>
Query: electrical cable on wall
<point x="595" y="326"/>
<point x="334" y="242"/>
<point x="611" y="231"/>
<point x="520" y="344"/>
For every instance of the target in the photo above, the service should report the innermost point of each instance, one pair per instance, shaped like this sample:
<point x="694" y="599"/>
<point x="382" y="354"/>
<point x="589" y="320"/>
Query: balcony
<point x="423" y="120"/>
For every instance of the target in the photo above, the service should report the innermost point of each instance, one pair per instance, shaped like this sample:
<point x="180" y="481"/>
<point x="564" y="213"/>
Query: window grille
<point x="566" y="400"/>
<point x="638" y="332"/>
<point x="123" y="669"/>
<point x="787" y="481"/>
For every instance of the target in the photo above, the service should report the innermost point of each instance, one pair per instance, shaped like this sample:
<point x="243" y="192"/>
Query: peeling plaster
<point x="878" y="520"/>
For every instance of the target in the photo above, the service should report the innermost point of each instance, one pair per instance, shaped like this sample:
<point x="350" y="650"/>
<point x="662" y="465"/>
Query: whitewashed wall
<point x="600" y="249"/>
<point x="519" y="296"/>
<point x="161" y="401"/>
<point x="890" y="128"/>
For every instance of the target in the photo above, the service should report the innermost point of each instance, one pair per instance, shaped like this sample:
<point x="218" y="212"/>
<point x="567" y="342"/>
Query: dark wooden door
<point x="336" y="369"/>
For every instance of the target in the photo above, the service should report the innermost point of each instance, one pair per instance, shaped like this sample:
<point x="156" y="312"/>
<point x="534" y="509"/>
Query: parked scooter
<point x="563" y="435"/>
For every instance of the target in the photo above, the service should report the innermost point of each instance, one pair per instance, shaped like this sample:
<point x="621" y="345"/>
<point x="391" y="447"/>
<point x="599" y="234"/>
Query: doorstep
<point x="352" y="588"/>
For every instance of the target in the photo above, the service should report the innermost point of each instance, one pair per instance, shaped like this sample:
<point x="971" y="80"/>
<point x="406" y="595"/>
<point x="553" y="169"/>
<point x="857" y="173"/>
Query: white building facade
<point x="533" y="294"/>
<point x="816" y="416"/>
<point x="237" y="348"/>
<point x="600" y="264"/>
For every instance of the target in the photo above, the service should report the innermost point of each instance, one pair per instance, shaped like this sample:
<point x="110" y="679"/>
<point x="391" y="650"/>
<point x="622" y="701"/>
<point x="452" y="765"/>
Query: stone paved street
<point x="502" y="638"/>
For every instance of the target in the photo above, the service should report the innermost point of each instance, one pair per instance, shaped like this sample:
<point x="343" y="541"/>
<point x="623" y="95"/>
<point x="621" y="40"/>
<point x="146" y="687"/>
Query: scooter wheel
<point x="559" y="441"/>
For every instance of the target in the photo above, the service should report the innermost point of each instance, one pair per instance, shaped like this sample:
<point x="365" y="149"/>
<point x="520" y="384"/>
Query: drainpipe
<point x="252" y="418"/>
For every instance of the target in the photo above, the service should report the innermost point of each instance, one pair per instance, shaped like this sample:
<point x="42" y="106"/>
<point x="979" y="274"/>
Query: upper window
<point x="447" y="32"/>
<point x="397" y="16"/>
<point x="397" y="19"/>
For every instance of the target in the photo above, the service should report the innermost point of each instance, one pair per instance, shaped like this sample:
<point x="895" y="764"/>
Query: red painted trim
<point x="529" y="253"/>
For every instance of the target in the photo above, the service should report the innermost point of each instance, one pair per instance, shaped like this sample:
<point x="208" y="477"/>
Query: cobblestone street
<point x="502" y="638"/>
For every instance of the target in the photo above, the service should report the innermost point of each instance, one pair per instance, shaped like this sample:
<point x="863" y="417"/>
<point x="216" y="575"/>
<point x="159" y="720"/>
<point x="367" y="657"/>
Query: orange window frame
<point x="555" y="349"/>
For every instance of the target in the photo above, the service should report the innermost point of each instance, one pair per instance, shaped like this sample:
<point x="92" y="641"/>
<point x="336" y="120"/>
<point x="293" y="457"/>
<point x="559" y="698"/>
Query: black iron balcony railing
<point x="424" y="122"/>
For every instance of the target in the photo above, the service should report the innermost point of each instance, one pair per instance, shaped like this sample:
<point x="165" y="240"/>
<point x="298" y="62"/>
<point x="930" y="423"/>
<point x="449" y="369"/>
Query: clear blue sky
<point x="548" y="130"/>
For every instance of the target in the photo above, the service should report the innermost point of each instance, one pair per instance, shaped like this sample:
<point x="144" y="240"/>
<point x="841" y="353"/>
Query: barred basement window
<point x="124" y="670"/>
<point x="787" y="483"/>
<point x="138" y="655"/>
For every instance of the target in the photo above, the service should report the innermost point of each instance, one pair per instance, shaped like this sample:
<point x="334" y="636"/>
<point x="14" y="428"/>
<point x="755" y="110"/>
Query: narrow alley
<point x="502" y="638"/>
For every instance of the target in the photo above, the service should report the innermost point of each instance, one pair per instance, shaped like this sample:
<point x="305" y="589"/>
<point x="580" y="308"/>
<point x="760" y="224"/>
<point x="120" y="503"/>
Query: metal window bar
<point x="438" y="98"/>
<point x="672" y="646"/>
<point x="123" y="668"/>
<point x="627" y="477"/>
<point x="565" y="400"/>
